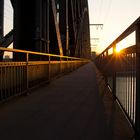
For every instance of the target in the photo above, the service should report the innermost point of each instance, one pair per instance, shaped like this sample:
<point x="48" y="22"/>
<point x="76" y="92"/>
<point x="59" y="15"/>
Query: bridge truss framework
<point x="50" y="26"/>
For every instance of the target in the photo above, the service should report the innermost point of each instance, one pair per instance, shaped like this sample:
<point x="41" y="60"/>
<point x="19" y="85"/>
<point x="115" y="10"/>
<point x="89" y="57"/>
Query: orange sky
<point x="116" y="15"/>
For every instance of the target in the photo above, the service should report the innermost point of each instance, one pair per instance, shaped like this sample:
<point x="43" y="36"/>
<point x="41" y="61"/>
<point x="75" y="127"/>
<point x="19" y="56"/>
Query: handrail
<point x="38" y="53"/>
<point x="19" y="77"/>
<point x="122" y="73"/>
<point x="128" y="31"/>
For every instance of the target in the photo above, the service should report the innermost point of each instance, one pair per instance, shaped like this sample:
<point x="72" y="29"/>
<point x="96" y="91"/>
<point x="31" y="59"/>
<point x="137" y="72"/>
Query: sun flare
<point x="118" y="49"/>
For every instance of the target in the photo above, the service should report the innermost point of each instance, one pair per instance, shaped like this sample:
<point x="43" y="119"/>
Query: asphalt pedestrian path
<point x="69" y="108"/>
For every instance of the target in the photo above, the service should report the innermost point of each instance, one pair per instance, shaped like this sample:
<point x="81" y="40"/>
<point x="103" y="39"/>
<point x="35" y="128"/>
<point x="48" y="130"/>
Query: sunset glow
<point x="118" y="49"/>
<point x="109" y="13"/>
<point x="127" y="42"/>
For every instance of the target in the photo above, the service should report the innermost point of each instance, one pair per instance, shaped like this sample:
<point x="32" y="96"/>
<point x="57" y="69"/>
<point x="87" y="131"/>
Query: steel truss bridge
<point x="51" y="38"/>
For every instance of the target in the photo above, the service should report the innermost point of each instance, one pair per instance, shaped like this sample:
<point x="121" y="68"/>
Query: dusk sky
<point x="116" y="15"/>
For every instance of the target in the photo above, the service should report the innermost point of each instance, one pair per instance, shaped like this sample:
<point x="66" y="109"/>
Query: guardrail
<point x="17" y="78"/>
<point x="122" y="72"/>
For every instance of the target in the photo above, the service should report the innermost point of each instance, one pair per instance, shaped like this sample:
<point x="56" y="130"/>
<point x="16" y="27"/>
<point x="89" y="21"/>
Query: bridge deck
<point x="69" y="108"/>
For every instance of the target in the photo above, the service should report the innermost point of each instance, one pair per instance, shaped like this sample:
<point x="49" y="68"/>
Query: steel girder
<point x="78" y="27"/>
<point x="52" y="26"/>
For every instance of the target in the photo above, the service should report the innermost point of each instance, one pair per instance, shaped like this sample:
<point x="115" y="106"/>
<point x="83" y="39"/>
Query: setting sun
<point x="128" y="41"/>
<point x="118" y="49"/>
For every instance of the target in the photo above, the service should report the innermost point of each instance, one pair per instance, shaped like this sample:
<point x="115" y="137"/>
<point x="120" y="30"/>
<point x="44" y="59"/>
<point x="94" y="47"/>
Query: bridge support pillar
<point x="30" y="26"/>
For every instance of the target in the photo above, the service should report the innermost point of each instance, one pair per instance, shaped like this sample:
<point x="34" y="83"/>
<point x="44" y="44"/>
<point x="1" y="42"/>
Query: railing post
<point x="137" y="122"/>
<point x="60" y="65"/>
<point x="49" y="68"/>
<point x="114" y="72"/>
<point x="27" y="73"/>
<point x="71" y="65"/>
<point x="67" y="65"/>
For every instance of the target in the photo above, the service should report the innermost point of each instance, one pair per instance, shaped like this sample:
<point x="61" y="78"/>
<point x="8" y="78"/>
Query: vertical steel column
<point x="48" y="24"/>
<point x="138" y="81"/>
<point x="75" y="12"/>
<point x="67" y="29"/>
<point x="1" y="17"/>
<point x="62" y="23"/>
<point x="24" y="13"/>
<point x="44" y="27"/>
<point x="38" y="25"/>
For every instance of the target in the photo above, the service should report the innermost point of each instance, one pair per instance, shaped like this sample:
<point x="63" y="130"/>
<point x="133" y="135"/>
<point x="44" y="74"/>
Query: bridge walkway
<point x="69" y="108"/>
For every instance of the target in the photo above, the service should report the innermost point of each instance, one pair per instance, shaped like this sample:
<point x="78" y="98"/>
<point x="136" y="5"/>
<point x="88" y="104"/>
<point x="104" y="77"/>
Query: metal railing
<point x="17" y="78"/>
<point x="122" y="72"/>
